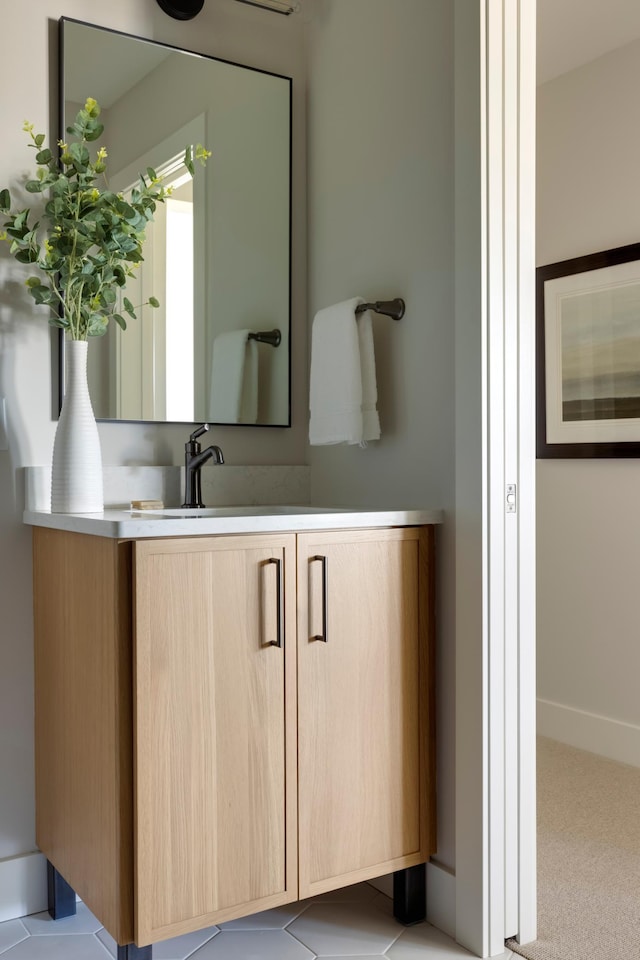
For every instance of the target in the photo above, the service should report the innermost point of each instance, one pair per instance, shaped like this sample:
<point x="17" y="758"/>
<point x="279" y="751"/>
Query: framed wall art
<point x="588" y="342"/>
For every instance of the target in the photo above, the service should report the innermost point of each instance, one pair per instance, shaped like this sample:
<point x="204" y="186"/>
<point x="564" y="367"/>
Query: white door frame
<point x="526" y="665"/>
<point x="495" y="619"/>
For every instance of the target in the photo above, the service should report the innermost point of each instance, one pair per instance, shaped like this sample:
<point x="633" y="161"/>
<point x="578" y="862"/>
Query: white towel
<point x="343" y="392"/>
<point x="234" y="378"/>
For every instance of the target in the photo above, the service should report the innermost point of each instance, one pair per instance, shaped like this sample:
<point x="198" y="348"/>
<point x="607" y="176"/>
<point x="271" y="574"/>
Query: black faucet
<point x="194" y="458"/>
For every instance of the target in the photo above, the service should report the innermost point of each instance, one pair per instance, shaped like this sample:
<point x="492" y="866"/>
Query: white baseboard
<point x="23" y="886"/>
<point x="589" y="731"/>
<point x="441" y="899"/>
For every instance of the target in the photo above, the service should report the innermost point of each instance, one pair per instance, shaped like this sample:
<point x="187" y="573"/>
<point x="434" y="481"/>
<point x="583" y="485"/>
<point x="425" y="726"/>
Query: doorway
<point x="588" y="158"/>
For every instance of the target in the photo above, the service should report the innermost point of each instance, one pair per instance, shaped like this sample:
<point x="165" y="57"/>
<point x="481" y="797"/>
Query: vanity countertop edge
<point x="124" y="524"/>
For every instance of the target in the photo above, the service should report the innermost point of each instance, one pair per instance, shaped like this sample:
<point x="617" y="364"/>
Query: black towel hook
<point x="272" y="337"/>
<point x="390" y="308"/>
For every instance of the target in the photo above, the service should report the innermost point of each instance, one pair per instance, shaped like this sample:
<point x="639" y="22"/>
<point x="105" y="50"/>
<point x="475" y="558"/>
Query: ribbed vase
<point x="76" y="472"/>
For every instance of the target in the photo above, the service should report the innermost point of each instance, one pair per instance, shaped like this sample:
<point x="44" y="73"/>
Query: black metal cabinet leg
<point x="61" y="898"/>
<point x="131" y="952"/>
<point x="410" y="894"/>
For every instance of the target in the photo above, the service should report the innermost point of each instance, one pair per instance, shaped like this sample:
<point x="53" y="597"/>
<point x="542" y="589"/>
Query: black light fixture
<point x="181" y="9"/>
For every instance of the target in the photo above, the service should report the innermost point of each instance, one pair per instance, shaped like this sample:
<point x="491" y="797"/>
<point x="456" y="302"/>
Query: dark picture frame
<point x="588" y="355"/>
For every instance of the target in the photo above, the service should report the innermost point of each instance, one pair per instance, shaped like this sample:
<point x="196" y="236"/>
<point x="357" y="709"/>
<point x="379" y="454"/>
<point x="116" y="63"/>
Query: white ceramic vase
<point x="76" y="473"/>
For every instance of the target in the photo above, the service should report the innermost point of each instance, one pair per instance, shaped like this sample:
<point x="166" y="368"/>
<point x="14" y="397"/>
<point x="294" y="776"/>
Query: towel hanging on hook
<point x="343" y="392"/>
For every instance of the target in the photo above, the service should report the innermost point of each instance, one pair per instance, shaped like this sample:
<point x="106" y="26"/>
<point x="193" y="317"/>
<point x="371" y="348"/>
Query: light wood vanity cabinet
<point x="215" y="730"/>
<point x="229" y="723"/>
<point x="365" y="751"/>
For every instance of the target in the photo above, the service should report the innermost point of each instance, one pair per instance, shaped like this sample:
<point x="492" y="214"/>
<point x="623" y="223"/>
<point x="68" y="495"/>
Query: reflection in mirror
<point x="217" y="256"/>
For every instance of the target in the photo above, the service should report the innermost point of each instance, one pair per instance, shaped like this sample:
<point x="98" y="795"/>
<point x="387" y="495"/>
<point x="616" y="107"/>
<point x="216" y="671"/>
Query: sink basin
<point x="184" y="513"/>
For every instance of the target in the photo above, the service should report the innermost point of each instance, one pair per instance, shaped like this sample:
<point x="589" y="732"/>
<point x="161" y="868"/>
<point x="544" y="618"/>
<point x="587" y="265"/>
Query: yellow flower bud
<point x="202" y="154"/>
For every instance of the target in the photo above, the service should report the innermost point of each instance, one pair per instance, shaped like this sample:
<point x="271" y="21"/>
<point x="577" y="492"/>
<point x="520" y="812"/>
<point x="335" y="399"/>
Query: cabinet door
<point x="215" y="751"/>
<point x="364" y="733"/>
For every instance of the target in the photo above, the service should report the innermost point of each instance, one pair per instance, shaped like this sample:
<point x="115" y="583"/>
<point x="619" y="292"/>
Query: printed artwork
<point x="588" y="364"/>
<point x="601" y="354"/>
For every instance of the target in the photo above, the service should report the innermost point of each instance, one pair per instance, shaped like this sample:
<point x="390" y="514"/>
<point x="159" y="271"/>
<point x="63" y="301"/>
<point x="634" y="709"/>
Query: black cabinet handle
<point x="278" y="563"/>
<point x="325" y="602"/>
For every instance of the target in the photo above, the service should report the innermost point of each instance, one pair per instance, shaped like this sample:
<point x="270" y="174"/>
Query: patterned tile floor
<point x="355" y="923"/>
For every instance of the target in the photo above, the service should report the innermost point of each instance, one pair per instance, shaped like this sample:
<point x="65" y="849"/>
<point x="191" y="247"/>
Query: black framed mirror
<point x="219" y="254"/>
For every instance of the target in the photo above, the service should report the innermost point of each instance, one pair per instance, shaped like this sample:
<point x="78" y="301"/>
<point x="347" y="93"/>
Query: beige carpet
<point x="588" y="858"/>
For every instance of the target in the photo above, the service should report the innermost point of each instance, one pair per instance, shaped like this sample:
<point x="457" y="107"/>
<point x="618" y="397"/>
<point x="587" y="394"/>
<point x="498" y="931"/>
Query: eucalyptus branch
<point x="92" y="237"/>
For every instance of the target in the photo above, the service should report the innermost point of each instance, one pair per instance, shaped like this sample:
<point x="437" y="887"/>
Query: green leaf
<point x="151" y="173"/>
<point x="26" y="256"/>
<point x="61" y="187"/>
<point x="153" y="302"/>
<point x="80" y="155"/>
<point x="127" y="244"/>
<point x="44" y="157"/>
<point x="125" y="210"/>
<point x="93" y="131"/>
<point x="39" y="139"/>
<point x="119" y="275"/>
<point x="5" y="201"/>
<point x="97" y="325"/>
<point x="120" y="320"/>
<point x="41" y="294"/>
<point x="129" y="308"/>
<point x="188" y="161"/>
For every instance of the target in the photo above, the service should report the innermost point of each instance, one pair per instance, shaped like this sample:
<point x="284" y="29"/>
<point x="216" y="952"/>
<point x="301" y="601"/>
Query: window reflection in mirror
<point x="217" y="256"/>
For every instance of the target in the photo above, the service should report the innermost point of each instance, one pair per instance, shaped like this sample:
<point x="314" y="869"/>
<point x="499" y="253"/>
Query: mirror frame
<point x="61" y="134"/>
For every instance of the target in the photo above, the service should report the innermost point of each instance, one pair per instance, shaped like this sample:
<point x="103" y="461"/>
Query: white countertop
<point x="125" y="524"/>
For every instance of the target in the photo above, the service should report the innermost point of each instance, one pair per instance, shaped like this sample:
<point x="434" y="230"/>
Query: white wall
<point x="382" y="180"/>
<point x="588" y="521"/>
<point x="381" y="225"/>
<point x="28" y="90"/>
